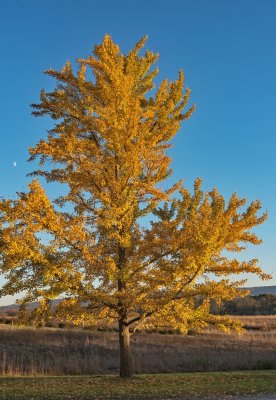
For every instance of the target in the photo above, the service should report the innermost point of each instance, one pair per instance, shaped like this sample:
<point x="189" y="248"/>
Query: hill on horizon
<point x="257" y="290"/>
<point x="254" y="291"/>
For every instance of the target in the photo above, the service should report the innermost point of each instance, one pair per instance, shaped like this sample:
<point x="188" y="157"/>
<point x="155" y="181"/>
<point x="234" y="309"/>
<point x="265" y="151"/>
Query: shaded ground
<point x="244" y="397"/>
<point x="215" y="385"/>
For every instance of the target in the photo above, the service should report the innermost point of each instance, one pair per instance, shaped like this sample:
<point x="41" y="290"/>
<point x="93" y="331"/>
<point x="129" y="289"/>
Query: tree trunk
<point x="124" y="336"/>
<point x="125" y="354"/>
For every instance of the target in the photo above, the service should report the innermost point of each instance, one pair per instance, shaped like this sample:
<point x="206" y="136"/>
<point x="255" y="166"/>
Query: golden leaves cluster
<point x="89" y="247"/>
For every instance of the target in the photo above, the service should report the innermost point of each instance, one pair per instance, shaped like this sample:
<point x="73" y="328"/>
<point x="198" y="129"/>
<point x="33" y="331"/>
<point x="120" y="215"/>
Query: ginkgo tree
<point x="91" y="247"/>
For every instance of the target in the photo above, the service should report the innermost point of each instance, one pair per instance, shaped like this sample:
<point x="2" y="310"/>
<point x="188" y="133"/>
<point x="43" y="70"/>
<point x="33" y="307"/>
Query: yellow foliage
<point x="109" y="146"/>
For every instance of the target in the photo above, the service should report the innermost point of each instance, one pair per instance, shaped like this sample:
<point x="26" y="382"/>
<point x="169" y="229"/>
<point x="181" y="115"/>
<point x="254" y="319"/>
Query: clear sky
<point x="227" y="52"/>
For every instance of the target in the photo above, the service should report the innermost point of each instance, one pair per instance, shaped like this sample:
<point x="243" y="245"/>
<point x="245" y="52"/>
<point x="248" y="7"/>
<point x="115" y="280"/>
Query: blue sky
<point x="227" y="52"/>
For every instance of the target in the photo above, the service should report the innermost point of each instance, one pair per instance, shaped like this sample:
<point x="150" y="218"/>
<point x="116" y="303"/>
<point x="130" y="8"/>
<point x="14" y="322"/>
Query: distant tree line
<point x="263" y="304"/>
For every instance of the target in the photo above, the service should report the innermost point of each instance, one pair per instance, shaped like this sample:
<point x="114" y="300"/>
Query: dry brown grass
<point x="57" y="351"/>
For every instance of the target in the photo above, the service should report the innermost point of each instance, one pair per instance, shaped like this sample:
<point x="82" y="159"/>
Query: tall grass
<point x="29" y="351"/>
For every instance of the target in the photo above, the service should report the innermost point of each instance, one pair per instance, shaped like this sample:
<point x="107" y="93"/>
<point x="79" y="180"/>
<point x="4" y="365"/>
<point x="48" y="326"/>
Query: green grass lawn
<point x="150" y="387"/>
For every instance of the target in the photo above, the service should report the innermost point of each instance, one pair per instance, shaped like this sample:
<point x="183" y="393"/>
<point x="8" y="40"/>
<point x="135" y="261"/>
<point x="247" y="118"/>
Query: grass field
<point x="151" y="387"/>
<point x="48" y="351"/>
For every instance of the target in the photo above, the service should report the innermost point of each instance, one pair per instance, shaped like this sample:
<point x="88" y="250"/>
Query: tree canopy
<point x="90" y="247"/>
